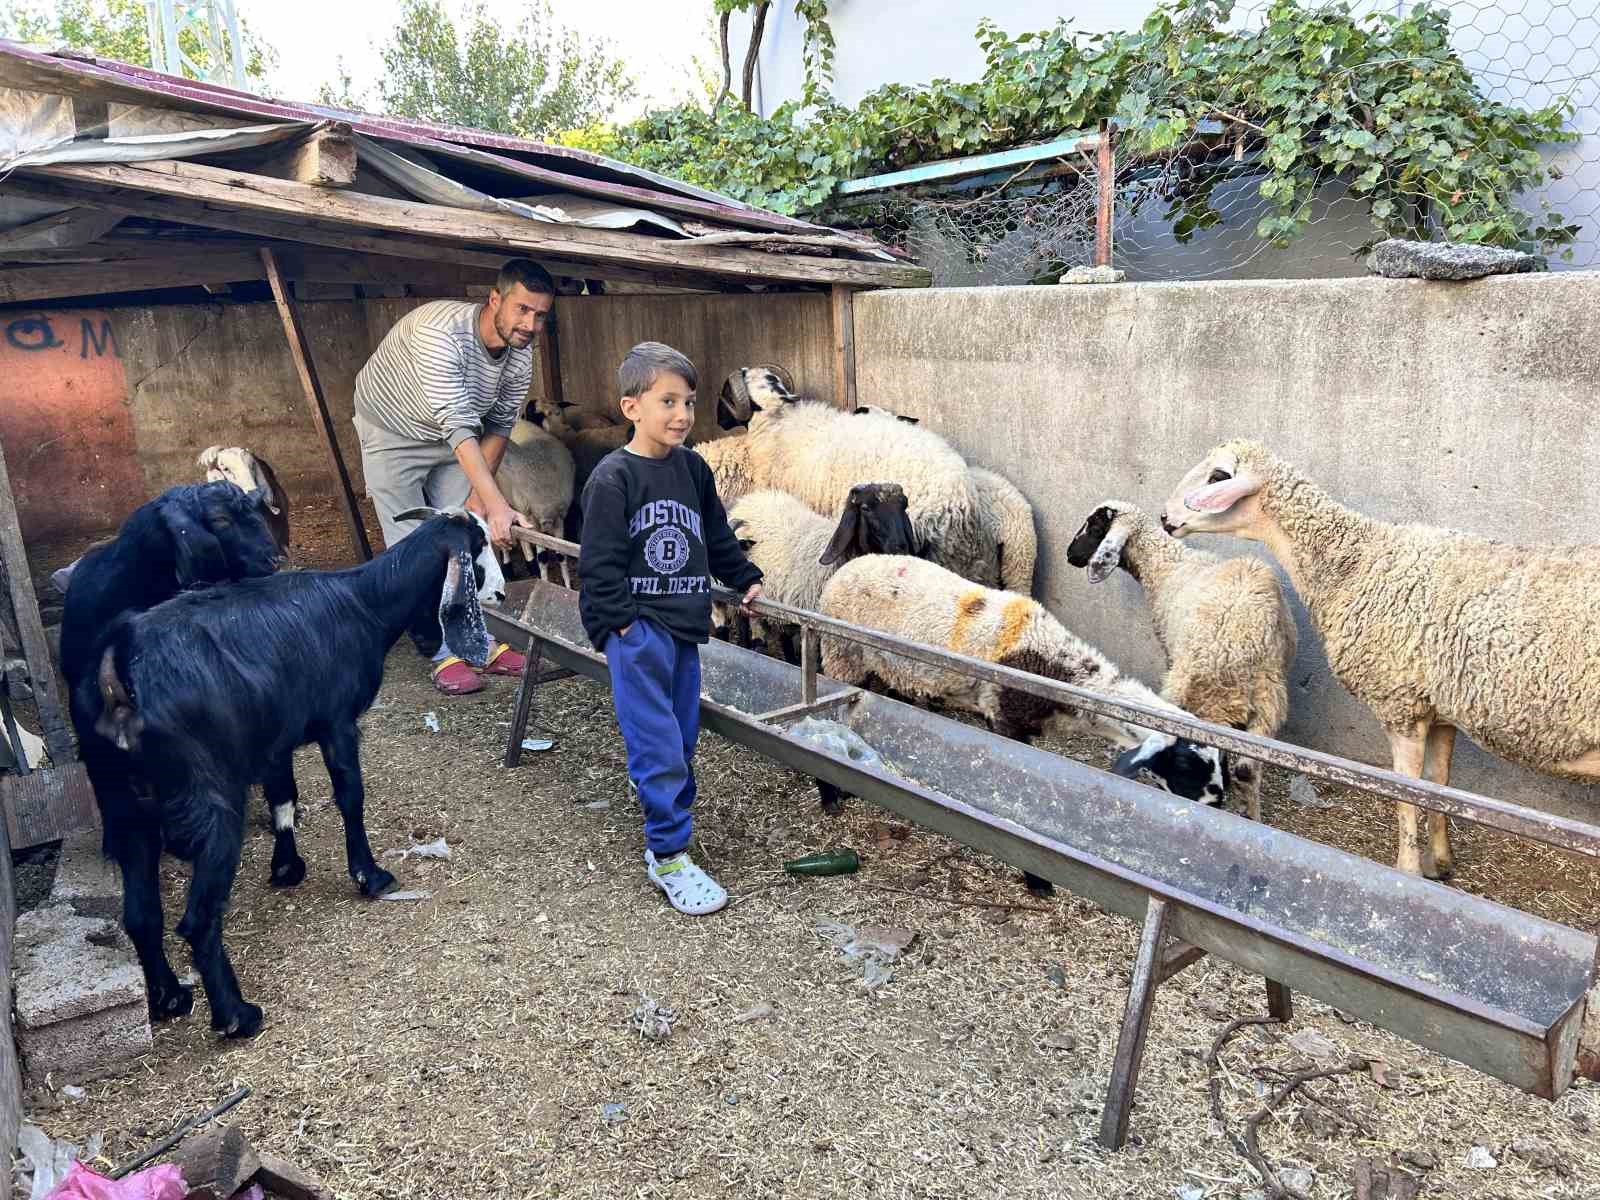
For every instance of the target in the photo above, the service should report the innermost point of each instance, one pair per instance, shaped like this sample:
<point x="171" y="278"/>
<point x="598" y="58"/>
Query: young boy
<point x="654" y="532"/>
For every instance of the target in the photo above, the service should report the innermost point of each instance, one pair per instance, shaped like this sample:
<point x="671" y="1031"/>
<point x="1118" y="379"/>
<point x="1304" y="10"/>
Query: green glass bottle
<point x="840" y="861"/>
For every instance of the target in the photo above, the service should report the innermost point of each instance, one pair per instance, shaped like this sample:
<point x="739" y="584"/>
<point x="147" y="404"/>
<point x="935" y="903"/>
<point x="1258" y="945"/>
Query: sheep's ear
<point x="1221" y="496"/>
<point x="197" y="556"/>
<point x="1130" y="762"/>
<point x="421" y="513"/>
<point x="908" y="420"/>
<point x="844" y="536"/>
<point x="1089" y="536"/>
<point x="1107" y="556"/>
<point x="460" y="615"/>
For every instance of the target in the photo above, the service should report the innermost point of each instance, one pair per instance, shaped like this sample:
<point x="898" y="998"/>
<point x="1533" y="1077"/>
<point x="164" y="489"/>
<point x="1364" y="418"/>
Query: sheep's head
<point x="1100" y="540"/>
<point x="243" y="469"/>
<point x="1220" y="494"/>
<point x="750" y="390"/>
<point x="1184" y="768"/>
<point x="874" y="521"/>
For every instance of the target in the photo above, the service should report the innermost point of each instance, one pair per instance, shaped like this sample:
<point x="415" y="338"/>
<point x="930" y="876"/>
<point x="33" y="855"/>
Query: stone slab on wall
<point x="1469" y="405"/>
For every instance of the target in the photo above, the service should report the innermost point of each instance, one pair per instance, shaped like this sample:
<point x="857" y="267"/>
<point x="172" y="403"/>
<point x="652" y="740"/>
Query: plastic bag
<point x="876" y="946"/>
<point x="157" y="1183"/>
<point x="838" y="739"/>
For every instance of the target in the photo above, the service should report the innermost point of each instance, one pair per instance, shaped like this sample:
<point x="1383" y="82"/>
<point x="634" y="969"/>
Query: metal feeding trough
<point x="1481" y="983"/>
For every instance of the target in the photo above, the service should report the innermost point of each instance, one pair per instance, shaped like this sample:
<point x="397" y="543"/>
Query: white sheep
<point x="816" y="452"/>
<point x="536" y="476"/>
<point x="1224" y="626"/>
<point x="798" y="551"/>
<point x="923" y="602"/>
<point x="1433" y="629"/>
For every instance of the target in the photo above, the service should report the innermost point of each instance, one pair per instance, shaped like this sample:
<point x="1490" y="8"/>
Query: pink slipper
<point x="454" y="677"/>
<point x="504" y="661"/>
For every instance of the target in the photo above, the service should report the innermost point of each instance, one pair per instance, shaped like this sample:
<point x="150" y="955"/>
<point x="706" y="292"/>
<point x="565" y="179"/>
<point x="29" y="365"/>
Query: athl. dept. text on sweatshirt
<point x="654" y="534"/>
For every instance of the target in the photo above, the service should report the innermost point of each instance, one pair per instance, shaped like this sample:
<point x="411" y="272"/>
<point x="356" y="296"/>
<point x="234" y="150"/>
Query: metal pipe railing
<point x="1518" y="820"/>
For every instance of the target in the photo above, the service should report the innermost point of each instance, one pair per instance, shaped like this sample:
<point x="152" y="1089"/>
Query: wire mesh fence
<point x="1033" y="224"/>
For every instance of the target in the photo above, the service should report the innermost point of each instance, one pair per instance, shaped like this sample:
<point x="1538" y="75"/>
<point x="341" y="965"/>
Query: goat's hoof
<point x="288" y="874"/>
<point x="244" y="1022"/>
<point x="176" y="1001"/>
<point x="1037" y="886"/>
<point x="376" y="882"/>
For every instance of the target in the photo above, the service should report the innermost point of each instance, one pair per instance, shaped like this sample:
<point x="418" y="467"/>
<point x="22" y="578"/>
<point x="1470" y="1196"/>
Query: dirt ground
<point x="475" y="1043"/>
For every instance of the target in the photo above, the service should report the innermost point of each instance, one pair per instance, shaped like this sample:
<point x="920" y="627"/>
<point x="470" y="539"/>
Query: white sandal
<point x="688" y="889"/>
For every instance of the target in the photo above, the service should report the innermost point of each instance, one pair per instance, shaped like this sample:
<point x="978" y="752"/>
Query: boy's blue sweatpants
<point x="655" y="688"/>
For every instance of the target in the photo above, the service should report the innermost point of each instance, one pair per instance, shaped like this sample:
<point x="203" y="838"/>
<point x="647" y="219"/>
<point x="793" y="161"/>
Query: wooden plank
<point x="30" y="629"/>
<point x="20" y="284"/>
<point x="1280" y="1003"/>
<point x="844" y="348"/>
<point x="533" y="656"/>
<point x="1135" y="1026"/>
<point x="325" y="158"/>
<point x="300" y="351"/>
<point x="310" y="264"/>
<point x="48" y="804"/>
<point x="283" y="230"/>
<point x="256" y="193"/>
<point x="1179" y="958"/>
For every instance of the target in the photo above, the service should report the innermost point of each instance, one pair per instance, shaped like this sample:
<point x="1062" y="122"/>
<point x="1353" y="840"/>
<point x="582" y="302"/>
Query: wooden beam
<point x="52" y="282"/>
<point x="1105" y="214"/>
<point x="287" y="231"/>
<point x="259" y="194"/>
<point x="30" y="629"/>
<point x="550" y="363"/>
<point x="844" y="348"/>
<point x="300" y="350"/>
<point x="325" y="158"/>
<point x="334" y="266"/>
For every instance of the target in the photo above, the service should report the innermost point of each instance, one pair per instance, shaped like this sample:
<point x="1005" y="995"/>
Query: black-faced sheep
<point x="1227" y="633"/>
<point x="798" y="551"/>
<point x="202" y="696"/>
<point x="1433" y="629"/>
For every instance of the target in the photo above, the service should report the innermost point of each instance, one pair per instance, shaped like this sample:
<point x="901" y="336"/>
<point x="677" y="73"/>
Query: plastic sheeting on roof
<point x="150" y="147"/>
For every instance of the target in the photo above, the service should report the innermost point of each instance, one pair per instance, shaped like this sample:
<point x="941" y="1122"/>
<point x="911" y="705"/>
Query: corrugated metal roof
<point x="560" y="168"/>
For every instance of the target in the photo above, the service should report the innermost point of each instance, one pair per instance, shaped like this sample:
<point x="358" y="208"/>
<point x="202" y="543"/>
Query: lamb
<point x="923" y="602"/>
<point x="536" y="478"/>
<point x="816" y="453"/>
<point x="798" y="551"/>
<point x="1223" y="624"/>
<point x="1433" y="629"/>
<point x="251" y="473"/>
<point x="200" y="697"/>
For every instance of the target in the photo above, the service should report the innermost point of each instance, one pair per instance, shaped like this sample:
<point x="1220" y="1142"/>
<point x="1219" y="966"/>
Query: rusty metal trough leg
<point x="1135" y="1026"/>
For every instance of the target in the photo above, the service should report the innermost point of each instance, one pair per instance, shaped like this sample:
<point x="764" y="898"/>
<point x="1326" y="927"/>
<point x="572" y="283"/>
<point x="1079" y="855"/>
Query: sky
<point x="657" y="38"/>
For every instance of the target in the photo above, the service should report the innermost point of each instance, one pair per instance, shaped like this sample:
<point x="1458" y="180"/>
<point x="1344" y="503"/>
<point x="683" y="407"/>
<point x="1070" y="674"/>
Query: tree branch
<point x="727" y="64"/>
<point x="758" y="26"/>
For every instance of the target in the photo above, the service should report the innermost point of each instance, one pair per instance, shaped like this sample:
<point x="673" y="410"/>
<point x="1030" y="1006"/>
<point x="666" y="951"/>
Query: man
<point x="434" y="408"/>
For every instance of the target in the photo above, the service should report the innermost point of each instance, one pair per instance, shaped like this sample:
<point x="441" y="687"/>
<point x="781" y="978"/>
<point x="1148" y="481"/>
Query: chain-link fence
<point x="1033" y="224"/>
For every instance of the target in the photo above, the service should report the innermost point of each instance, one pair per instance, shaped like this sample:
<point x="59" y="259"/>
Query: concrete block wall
<point x="1468" y="405"/>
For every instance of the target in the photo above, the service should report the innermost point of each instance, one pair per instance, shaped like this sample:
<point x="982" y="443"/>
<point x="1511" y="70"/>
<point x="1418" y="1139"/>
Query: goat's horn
<point x="418" y="514"/>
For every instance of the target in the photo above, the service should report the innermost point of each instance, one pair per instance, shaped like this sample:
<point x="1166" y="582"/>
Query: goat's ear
<point x="208" y="457"/>
<point x="421" y="513"/>
<point x="844" y="536"/>
<point x="460" y="615"/>
<point x="119" y="722"/>
<point x="197" y="556"/>
<point x="746" y="544"/>
<point x="269" y="494"/>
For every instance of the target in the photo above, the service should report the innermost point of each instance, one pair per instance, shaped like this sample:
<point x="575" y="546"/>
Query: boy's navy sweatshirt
<point x="654" y="532"/>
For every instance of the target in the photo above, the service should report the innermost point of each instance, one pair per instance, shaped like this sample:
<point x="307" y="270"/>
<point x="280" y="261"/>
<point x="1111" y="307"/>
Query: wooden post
<point x="1106" y="178"/>
<point x="1135" y="1026"/>
<point x="1280" y="1003"/>
<point x="300" y="351"/>
<point x="550" y="363"/>
<point x="30" y="629"/>
<point x="844" y="348"/>
<point x="809" y="647"/>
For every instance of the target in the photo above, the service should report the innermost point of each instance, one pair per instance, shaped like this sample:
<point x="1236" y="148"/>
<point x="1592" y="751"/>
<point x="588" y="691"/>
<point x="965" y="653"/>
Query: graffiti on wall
<point x="65" y="424"/>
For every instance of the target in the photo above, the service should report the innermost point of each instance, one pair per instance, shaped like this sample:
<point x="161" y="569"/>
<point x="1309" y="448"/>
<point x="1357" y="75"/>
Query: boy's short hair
<point x="644" y="364"/>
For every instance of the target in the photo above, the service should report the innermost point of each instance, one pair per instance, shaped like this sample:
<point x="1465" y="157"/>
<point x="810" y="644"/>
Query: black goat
<point x="193" y="534"/>
<point x="214" y="690"/>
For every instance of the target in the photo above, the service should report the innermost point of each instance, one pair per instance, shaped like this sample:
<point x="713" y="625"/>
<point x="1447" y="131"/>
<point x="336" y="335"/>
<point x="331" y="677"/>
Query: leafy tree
<point x="529" y="80"/>
<point x="118" y="29"/>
